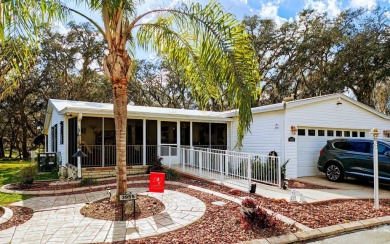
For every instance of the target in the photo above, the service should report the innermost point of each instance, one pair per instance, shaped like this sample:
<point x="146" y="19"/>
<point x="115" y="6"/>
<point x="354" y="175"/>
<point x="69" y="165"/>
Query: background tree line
<point x="313" y="55"/>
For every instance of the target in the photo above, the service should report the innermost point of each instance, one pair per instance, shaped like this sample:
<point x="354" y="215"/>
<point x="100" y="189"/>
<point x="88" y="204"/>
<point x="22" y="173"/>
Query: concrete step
<point x="100" y="172"/>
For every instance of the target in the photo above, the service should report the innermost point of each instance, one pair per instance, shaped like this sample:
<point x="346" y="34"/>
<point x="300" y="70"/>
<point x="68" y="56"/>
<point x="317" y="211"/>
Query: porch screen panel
<point x="91" y="141"/>
<point x="109" y="142"/>
<point x="72" y="140"/>
<point x="201" y="135"/>
<point x="168" y="132"/>
<point x="151" y="141"/>
<point x="134" y="151"/>
<point x="185" y="133"/>
<point x="219" y="136"/>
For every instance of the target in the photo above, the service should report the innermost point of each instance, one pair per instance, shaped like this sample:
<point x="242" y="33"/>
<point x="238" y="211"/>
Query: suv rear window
<point x="343" y="145"/>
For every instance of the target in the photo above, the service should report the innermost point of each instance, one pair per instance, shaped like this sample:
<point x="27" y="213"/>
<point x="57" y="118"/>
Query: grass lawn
<point x="9" y="174"/>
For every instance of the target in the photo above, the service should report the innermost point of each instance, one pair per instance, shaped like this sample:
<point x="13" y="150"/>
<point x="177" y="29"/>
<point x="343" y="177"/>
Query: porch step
<point x="100" y="172"/>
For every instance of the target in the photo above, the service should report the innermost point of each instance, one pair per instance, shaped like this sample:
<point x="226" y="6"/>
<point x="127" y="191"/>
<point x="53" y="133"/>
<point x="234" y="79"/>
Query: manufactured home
<point x="295" y="130"/>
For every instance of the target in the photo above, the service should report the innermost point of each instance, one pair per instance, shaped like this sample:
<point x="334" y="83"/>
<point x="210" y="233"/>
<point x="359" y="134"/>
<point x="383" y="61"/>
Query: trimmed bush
<point x="171" y="174"/>
<point x="88" y="182"/>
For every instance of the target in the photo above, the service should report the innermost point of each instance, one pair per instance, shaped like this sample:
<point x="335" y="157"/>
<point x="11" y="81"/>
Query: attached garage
<point x="297" y="130"/>
<point x="310" y="141"/>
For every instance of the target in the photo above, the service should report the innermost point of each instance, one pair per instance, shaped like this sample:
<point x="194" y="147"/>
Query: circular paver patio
<point x="57" y="219"/>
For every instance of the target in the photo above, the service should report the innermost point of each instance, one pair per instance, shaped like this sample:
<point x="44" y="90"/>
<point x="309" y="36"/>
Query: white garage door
<point x="312" y="140"/>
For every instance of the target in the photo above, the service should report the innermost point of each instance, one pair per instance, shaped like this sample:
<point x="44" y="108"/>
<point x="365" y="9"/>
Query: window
<point x="62" y="132"/>
<point x="321" y="132"/>
<point x="347" y="134"/>
<point x="339" y="133"/>
<point x="311" y="132"/>
<point x="301" y="132"/>
<point x="343" y="145"/>
<point x="354" y="134"/>
<point x="362" y="134"/>
<point x="54" y="140"/>
<point x="330" y="133"/>
<point x="361" y="147"/>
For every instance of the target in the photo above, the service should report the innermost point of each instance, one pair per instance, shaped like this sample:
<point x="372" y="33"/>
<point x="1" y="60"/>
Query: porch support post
<point x="79" y="117"/>
<point x="159" y="138"/>
<point x="191" y="134"/>
<point x="178" y="141"/>
<point x="46" y="146"/>
<point x="191" y="159"/>
<point x="144" y="142"/>
<point x="209" y="135"/>
<point x="103" y="147"/>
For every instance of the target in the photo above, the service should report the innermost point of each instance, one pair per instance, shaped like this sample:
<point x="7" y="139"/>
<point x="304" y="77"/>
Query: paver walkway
<point x="57" y="219"/>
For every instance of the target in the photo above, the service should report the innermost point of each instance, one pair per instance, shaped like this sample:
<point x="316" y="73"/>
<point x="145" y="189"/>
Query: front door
<point x="168" y="149"/>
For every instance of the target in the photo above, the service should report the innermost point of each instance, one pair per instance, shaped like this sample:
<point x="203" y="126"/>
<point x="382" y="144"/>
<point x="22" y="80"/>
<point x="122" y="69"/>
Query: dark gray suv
<point x="342" y="158"/>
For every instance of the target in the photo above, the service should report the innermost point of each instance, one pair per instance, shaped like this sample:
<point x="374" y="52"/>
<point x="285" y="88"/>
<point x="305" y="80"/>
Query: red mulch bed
<point x="316" y="215"/>
<point x="21" y="215"/>
<point x="1" y="212"/>
<point x="219" y="224"/>
<point x="106" y="210"/>
<point x="303" y="185"/>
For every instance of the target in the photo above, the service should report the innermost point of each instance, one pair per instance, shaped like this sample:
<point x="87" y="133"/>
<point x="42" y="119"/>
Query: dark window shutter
<point x="62" y="132"/>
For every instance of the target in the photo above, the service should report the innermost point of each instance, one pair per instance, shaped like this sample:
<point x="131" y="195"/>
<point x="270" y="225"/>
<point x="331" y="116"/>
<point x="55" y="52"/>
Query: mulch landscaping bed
<point x="303" y="185"/>
<point x="219" y="224"/>
<point x="106" y="210"/>
<point x="21" y="215"/>
<point x="1" y="211"/>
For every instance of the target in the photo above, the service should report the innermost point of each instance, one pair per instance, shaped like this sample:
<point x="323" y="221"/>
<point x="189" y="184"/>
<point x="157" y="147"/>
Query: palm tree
<point x="210" y="44"/>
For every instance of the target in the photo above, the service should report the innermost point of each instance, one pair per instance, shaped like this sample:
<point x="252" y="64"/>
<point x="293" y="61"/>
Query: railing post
<point x="249" y="170"/>
<point x="192" y="156"/>
<point x="226" y="163"/>
<point x="169" y="156"/>
<point x="183" y="155"/>
<point x="221" y="165"/>
<point x="279" y="173"/>
<point x="200" y="162"/>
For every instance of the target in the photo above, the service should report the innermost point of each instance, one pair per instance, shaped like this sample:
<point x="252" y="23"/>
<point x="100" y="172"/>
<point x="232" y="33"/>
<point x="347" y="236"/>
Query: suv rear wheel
<point x="334" y="172"/>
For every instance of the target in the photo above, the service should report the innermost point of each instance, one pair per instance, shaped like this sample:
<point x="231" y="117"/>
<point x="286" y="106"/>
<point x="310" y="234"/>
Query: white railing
<point x="229" y="166"/>
<point x="103" y="156"/>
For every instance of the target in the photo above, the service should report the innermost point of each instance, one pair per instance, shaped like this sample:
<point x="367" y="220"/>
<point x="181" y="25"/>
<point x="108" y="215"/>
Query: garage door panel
<point x="309" y="147"/>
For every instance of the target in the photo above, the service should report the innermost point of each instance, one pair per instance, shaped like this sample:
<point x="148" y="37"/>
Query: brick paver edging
<point x="6" y="216"/>
<point x="57" y="219"/>
<point x="323" y="232"/>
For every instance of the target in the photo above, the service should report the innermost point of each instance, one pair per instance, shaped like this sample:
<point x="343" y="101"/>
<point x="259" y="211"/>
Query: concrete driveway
<point x="349" y="188"/>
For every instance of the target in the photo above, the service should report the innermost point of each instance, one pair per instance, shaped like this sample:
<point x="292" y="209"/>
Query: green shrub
<point x="27" y="174"/>
<point x="88" y="182"/>
<point x="171" y="174"/>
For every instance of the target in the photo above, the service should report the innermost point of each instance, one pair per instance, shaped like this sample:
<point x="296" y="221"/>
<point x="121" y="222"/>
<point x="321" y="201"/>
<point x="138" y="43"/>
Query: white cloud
<point x="270" y="11"/>
<point x="368" y="4"/>
<point x="60" y="28"/>
<point x="331" y="7"/>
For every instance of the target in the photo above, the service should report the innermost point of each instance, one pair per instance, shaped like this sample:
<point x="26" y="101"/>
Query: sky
<point x="279" y="10"/>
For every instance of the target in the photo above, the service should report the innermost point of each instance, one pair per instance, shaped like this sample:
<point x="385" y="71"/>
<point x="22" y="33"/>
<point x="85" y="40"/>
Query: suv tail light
<point x="322" y="152"/>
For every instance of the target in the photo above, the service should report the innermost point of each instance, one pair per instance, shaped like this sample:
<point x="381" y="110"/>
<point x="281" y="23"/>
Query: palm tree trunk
<point x="117" y="66"/>
<point x="120" y="114"/>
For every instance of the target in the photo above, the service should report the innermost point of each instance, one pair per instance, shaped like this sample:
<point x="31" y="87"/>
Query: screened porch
<point x="146" y="140"/>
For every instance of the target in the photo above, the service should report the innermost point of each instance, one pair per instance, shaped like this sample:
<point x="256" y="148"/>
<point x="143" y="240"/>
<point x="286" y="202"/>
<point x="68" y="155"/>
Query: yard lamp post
<point x="375" y="134"/>
<point x="79" y="154"/>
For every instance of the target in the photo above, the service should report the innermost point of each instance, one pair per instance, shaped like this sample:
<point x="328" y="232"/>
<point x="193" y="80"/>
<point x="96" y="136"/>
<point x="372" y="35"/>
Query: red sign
<point x="156" y="182"/>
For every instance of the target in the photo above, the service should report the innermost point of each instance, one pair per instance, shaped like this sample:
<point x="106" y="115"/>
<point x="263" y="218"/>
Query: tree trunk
<point x="2" y="155"/>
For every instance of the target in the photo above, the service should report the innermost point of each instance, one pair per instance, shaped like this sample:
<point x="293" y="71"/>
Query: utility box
<point x="48" y="162"/>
